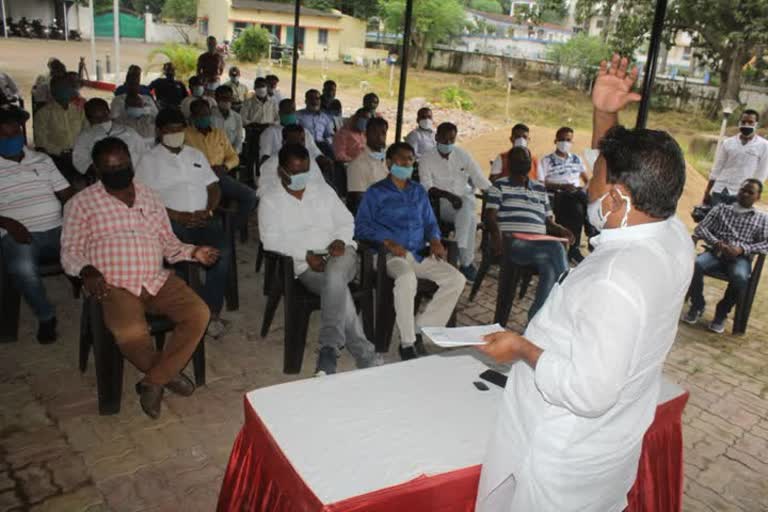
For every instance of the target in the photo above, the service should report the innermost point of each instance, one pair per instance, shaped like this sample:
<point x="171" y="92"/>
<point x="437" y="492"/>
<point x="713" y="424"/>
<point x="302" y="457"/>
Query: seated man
<point x="336" y="113"/>
<point x="369" y="167"/>
<point x="328" y="94"/>
<point x="518" y="204"/>
<point x="214" y="144"/>
<point x="371" y="103"/>
<point x="138" y="116"/>
<point x="307" y="221"/>
<point x="396" y="213"/>
<point x="169" y="92"/>
<point x="349" y="142"/>
<point x="101" y="127"/>
<point x="271" y="139"/>
<point x="227" y="119"/>
<point x="450" y="174"/>
<point x="133" y="72"/>
<point x="565" y="175"/>
<point x="183" y="179"/>
<point x="319" y="124"/>
<point x="57" y="125"/>
<point x="520" y="138"/>
<point x="293" y="134"/>
<point x="260" y="110"/>
<point x="115" y="237"/>
<point x="132" y="88"/>
<point x="422" y="138"/>
<point x="239" y="89"/>
<point x="272" y="88"/>
<point x="197" y="89"/>
<point x="734" y="233"/>
<point x="31" y="193"/>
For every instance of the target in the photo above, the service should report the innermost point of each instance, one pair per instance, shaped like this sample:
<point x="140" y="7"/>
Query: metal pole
<point x="66" y="21"/>
<point x="5" y="22"/>
<point x="295" y="65"/>
<point x="650" y="64"/>
<point x="93" y="40"/>
<point x="116" y="20"/>
<point x="404" y="63"/>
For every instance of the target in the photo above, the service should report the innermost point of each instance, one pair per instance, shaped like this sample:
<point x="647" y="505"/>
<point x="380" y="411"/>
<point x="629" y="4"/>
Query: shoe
<point x="150" y="398"/>
<point x="407" y="353"/>
<point x="216" y="328"/>
<point x="470" y="273"/>
<point x="180" y="385"/>
<point x="693" y="316"/>
<point x="717" y="326"/>
<point x="326" y="362"/>
<point x="421" y="349"/>
<point x="576" y="256"/>
<point x="46" y="331"/>
<point x="378" y="360"/>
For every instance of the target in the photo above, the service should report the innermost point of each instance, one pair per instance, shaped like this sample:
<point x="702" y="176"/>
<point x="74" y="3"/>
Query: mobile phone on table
<point x="494" y="377"/>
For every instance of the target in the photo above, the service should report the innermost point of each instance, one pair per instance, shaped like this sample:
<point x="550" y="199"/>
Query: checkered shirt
<point x="127" y="245"/>
<point x="747" y="230"/>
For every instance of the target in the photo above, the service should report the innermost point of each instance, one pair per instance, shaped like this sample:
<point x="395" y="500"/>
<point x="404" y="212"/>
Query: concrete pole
<point x="5" y="23"/>
<point x="93" y="38"/>
<point x="66" y="21"/>
<point x="116" y="16"/>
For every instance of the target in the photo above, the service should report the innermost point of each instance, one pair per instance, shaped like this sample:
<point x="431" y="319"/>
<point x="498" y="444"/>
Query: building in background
<point x="322" y="34"/>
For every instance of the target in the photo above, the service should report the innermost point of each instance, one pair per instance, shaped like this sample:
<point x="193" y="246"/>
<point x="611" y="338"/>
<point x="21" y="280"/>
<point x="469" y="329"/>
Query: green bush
<point x="251" y="45"/>
<point x="184" y="59"/>
<point x="457" y="98"/>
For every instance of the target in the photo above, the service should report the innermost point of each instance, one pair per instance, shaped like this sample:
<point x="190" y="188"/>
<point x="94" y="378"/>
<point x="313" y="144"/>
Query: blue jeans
<point x="22" y="264"/>
<point x="243" y="194"/>
<point x="212" y="234"/>
<point x="548" y="258"/>
<point x="738" y="272"/>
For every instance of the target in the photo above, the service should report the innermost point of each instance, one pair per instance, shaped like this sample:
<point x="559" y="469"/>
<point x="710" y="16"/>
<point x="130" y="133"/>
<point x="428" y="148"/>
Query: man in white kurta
<point x="586" y="382"/>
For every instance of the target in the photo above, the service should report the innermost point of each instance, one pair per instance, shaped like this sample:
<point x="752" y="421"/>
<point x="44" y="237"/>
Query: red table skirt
<point x="260" y="478"/>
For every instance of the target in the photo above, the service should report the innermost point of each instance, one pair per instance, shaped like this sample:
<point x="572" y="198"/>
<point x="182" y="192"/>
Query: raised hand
<point x="612" y="90"/>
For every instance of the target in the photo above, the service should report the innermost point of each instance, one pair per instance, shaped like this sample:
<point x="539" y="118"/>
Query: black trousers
<point x="571" y="212"/>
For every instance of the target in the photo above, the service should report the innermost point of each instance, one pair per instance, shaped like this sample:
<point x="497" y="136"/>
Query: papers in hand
<point x="449" y="337"/>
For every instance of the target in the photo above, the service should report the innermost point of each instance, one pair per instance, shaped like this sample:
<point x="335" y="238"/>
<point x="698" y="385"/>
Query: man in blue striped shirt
<point x="519" y="205"/>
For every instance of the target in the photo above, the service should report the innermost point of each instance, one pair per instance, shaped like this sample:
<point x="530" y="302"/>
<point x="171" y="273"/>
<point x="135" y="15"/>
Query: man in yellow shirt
<point x="215" y="145"/>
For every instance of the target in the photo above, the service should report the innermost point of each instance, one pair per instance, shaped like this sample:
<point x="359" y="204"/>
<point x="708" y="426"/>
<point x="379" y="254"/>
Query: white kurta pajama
<point x="569" y="433"/>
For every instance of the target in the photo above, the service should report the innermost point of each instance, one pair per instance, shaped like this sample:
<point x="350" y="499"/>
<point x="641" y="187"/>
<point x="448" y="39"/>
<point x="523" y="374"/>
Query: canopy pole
<point x="5" y="22"/>
<point x="93" y="39"/>
<point x="66" y="21"/>
<point x="116" y="16"/>
<point x="404" y="63"/>
<point x="650" y="64"/>
<point x="295" y="64"/>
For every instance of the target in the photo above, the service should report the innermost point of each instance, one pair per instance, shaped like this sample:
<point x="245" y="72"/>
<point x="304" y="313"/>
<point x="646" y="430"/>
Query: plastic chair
<point x="744" y="303"/>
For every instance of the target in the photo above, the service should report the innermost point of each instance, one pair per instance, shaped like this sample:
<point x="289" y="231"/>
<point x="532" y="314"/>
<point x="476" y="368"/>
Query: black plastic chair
<point x="744" y="303"/>
<point x="510" y="276"/>
<point x="281" y="283"/>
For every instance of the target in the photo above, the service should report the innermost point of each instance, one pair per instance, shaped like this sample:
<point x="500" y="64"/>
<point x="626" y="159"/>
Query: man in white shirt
<point x="184" y="180"/>
<point x="197" y="91"/>
<point x="101" y="127"/>
<point x="132" y="87"/>
<point x="271" y="139"/>
<point x="422" y="139"/>
<point x="369" y="167"/>
<point x="587" y="379"/>
<point x="260" y="109"/>
<point x="307" y="221"/>
<point x="138" y="116"/>
<point x="32" y="191"/>
<point x="450" y="174"/>
<point x="227" y="119"/>
<point x="269" y="177"/>
<point x="272" y="89"/>
<point x="564" y="174"/>
<point x="739" y="158"/>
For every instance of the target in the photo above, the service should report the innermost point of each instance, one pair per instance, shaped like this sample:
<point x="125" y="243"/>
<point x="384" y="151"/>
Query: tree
<point x="321" y="5"/>
<point x="184" y="59"/>
<point x="588" y="9"/>
<point x="550" y="11"/>
<point x="433" y="21"/>
<point x="251" y="45"/>
<point x="182" y="11"/>
<point x="492" y="6"/>
<point x="582" y="52"/>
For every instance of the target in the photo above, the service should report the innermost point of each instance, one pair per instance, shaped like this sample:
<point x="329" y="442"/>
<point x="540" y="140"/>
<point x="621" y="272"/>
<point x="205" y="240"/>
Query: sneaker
<point x="46" y="331"/>
<point x="326" y="362"/>
<point x="693" y="316"/>
<point x="717" y="326"/>
<point x="378" y="360"/>
<point x="216" y="328"/>
<point x="470" y="273"/>
<point x="421" y="349"/>
<point x="407" y="353"/>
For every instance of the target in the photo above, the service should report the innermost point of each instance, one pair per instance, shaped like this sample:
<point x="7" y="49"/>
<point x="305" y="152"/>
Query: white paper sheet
<point x="449" y="337"/>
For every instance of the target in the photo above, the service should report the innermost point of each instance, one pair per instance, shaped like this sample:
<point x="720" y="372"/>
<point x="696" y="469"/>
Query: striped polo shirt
<point x="27" y="191"/>
<point x="521" y="208"/>
<point x="562" y="171"/>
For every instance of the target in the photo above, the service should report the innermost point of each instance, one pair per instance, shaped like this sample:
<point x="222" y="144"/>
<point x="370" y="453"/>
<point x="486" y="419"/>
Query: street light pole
<point x="404" y="63"/>
<point x="650" y="64"/>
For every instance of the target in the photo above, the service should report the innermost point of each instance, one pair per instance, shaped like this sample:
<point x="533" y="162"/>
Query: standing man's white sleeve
<point x="478" y="178"/>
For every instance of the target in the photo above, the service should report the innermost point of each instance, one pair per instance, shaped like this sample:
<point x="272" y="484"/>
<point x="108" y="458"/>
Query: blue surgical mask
<point x="298" y="182"/>
<point x="286" y="119"/>
<point x="135" y="112"/>
<point x="401" y="172"/>
<point x="445" y="149"/>
<point x="377" y="155"/>
<point x="11" y="146"/>
<point x="202" y="122"/>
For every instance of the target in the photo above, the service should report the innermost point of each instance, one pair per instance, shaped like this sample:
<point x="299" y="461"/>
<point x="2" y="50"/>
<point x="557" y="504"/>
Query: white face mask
<point x="521" y="142"/>
<point x="260" y="92"/>
<point x="598" y="219"/>
<point x="425" y="124"/>
<point x="173" y="140"/>
<point x="564" y="146"/>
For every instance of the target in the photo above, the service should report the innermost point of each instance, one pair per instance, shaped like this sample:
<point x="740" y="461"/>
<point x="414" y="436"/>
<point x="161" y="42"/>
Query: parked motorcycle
<point x="39" y="30"/>
<point x="24" y="28"/>
<point x="55" y="31"/>
<point x="74" y="35"/>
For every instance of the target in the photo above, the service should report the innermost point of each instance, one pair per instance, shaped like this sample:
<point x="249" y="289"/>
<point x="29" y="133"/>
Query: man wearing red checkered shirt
<point x="116" y="235"/>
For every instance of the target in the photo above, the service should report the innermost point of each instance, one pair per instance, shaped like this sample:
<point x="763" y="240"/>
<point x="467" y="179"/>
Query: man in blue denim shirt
<point x="396" y="213"/>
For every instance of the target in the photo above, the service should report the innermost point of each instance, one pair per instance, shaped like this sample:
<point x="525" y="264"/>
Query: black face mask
<point x="118" y="180"/>
<point x="747" y="130"/>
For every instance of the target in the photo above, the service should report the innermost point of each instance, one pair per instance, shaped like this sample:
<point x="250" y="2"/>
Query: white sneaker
<point x="717" y="326"/>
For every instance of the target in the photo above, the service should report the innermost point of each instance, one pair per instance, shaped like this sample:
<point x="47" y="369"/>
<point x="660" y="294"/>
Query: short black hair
<point x="260" y="80"/>
<point x="377" y="122"/>
<point x="751" y="112"/>
<point x="423" y="109"/>
<point x="521" y="127"/>
<point x="562" y="130"/>
<point x="106" y="145"/>
<point x="329" y="82"/>
<point x="195" y="80"/>
<point x="196" y="105"/>
<point x="292" y="128"/>
<point x="650" y="164"/>
<point x="310" y="91"/>
<point x="94" y="103"/>
<point x="288" y="151"/>
<point x="223" y="89"/>
<point x="169" y="116"/>
<point x="369" y="96"/>
<point x="396" y="147"/>
<point x="13" y="115"/>
<point x="271" y="77"/>
<point x="334" y="105"/>
<point x="519" y="161"/>
<point x="756" y="182"/>
<point x="447" y="127"/>
<point x="285" y="102"/>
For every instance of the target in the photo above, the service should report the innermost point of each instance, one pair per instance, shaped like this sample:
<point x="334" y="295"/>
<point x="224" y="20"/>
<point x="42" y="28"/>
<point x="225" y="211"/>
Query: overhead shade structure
<point x="295" y="64"/>
<point x="650" y="65"/>
<point x="404" y="63"/>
